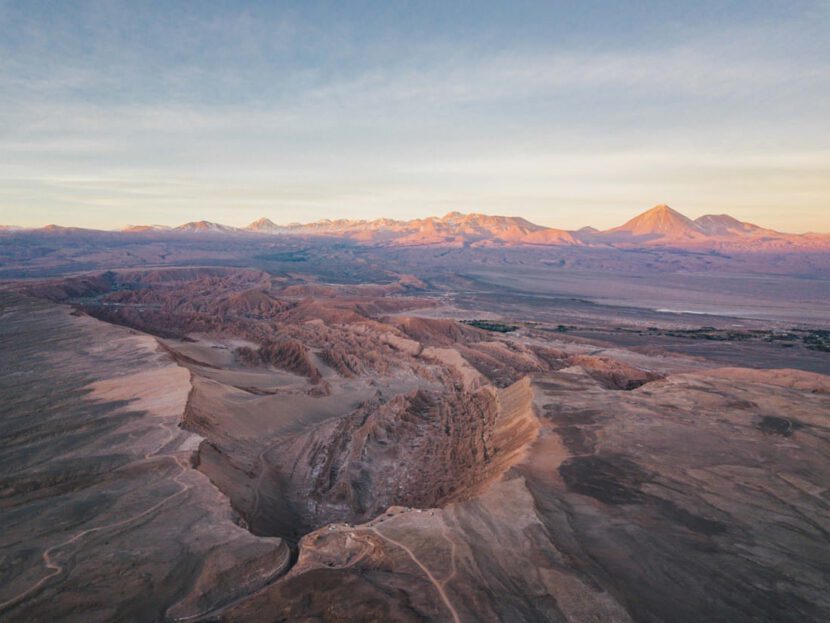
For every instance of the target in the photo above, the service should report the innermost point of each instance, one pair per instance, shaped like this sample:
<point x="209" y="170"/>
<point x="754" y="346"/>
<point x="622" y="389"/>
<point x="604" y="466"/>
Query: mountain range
<point x="661" y="226"/>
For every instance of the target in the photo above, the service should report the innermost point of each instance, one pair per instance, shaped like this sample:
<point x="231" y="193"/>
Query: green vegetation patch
<point x="490" y="325"/>
<point x="818" y="340"/>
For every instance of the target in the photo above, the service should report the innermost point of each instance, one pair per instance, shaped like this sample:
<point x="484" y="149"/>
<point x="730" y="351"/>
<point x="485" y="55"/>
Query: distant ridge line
<point x="660" y="226"/>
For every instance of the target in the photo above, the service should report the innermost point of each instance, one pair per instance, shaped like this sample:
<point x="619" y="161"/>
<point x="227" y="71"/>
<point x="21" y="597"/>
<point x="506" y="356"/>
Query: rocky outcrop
<point x="613" y="374"/>
<point x="420" y="449"/>
<point x="438" y="331"/>
<point x="289" y="355"/>
<point x="345" y="363"/>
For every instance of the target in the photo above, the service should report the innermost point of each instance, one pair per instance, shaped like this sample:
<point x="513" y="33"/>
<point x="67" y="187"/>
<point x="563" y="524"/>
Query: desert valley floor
<point x="336" y="433"/>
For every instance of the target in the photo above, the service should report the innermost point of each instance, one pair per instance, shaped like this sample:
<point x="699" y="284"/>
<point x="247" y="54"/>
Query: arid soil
<point x="235" y="444"/>
<point x="104" y="517"/>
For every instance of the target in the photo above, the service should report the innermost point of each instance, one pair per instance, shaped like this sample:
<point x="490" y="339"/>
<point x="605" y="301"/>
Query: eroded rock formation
<point x="421" y="449"/>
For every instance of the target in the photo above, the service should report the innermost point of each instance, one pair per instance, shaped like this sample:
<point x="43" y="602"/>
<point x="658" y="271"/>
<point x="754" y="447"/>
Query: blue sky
<point x="567" y="113"/>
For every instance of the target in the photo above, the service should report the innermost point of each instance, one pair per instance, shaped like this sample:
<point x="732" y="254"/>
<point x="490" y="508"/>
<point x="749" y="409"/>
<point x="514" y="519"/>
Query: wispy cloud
<point x="229" y="113"/>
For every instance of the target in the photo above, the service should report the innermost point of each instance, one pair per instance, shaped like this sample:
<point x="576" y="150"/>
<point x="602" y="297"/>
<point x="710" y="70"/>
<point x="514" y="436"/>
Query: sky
<point x="567" y="113"/>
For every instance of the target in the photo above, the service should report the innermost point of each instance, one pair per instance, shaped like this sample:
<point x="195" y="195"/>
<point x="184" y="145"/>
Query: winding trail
<point x="170" y="425"/>
<point x="56" y="569"/>
<point x="213" y="611"/>
<point x="452" y="556"/>
<point x="439" y="586"/>
<point x="257" y="495"/>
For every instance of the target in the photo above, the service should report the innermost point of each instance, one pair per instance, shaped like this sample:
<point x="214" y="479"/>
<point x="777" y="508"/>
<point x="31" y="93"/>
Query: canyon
<point x="208" y="425"/>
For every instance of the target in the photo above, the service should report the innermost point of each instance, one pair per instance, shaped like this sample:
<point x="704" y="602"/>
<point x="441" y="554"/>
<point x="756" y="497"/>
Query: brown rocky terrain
<point x="420" y="449"/>
<point x="657" y="510"/>
<point x="340" y="451"/>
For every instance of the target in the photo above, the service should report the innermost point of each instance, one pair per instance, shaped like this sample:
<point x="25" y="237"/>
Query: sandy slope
<point x="103" y="516"/>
